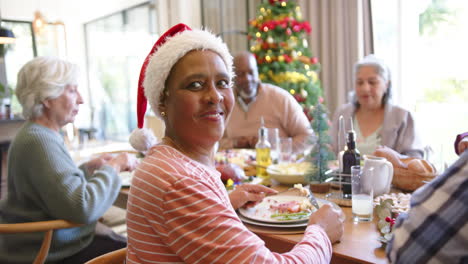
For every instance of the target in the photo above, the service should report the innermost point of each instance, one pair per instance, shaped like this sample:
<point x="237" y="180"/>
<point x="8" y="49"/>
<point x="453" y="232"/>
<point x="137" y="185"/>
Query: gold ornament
<point x="299" y="53"/>
<point x="306" y="66"/>
<point x="270" y="40"/>
<point x="304" y="93"/>
<point x="268" y="58"/>
<point x="258" y="34"/>
<point x="283" y="4"/>
<point x="280" y="58"/>
<point x="292" y="91"/>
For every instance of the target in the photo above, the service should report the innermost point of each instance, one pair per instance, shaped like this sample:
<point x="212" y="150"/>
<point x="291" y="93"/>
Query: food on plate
<point x="292" y="168"/>
<point x="401" y="201"/>
<point x="292" y="204"/>
<point x="240" y="157"/>
<point x="231" y="171"/>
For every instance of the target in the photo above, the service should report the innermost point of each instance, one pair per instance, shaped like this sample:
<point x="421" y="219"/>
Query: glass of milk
<point x="362" y="193"/>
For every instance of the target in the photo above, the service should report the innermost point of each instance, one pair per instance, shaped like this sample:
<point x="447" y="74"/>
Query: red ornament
<point x="320" y="99"/>
<point x="313" y="60"/>
<point x="288" y="31"/>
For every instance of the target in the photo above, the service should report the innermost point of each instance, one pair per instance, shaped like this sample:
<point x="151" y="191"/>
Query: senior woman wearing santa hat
<point x="178" y="209"/>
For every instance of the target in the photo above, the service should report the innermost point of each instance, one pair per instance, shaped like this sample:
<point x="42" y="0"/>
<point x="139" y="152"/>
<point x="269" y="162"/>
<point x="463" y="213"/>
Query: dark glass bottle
<point x="351" y="157"/>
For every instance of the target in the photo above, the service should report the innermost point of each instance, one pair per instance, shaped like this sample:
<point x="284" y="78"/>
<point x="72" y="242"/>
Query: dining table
<point x="359" y="244"/>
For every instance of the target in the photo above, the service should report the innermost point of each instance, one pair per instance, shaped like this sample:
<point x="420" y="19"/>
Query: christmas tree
<point x="321" y="153"/>
<point x="279" y="42"/>
<point x="278" y="36"/>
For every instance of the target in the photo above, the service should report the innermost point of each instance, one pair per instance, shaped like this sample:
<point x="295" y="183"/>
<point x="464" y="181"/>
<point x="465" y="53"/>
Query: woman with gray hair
<point x="375" y="120"/>
<point x="43" y="181"/>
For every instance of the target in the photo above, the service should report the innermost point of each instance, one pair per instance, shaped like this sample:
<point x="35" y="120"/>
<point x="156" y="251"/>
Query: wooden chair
<point x="43" y="226"/>
<point x="115" y="257"/>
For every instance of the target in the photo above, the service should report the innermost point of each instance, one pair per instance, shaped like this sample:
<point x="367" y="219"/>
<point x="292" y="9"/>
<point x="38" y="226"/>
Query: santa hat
<point x="166" y="52"/>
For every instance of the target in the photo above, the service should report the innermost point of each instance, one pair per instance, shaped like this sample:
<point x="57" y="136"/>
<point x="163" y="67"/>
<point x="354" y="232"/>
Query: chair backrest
<point x="42" y="226"/>
<point x="114" y="257"/>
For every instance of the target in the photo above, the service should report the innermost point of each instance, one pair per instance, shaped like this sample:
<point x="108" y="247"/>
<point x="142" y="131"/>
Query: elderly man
<point x="254" y="100"/>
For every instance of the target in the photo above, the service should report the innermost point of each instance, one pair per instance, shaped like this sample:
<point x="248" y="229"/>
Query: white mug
<point x="383" y="173"/>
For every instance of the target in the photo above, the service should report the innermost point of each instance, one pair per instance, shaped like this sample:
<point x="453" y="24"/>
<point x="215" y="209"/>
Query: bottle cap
<point x="351" y="136"/>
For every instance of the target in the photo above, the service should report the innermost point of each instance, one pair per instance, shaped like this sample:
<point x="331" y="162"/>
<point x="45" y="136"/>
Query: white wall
<point x="73" y="13"/>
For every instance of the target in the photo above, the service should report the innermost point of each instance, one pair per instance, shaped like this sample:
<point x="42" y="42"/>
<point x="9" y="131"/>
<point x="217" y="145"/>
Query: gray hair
<point x="382" y="70"/>
<point x="43" y="78"/>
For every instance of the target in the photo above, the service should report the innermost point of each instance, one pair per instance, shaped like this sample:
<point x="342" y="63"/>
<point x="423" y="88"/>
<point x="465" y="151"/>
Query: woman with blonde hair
<point x="43" y="181"/>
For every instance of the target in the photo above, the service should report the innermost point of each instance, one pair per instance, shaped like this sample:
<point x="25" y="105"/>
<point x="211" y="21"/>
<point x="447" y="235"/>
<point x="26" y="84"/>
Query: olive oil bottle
<point x="263" y="155"/>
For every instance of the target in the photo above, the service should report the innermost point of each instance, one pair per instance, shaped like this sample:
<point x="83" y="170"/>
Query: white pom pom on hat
<point x="168" y="49"/>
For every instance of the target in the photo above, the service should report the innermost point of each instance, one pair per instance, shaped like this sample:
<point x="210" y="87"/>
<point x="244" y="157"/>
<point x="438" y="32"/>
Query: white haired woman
<point x="43" y="181"/>
<point x="376" y="121"/>
<point x="178" y="210"/>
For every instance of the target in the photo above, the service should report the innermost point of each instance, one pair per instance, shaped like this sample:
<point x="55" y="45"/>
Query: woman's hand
<point x="331" y="220"/>
<point x="97" y="162"/>
<point x="123" y="162"/>
<point x="246" y="192"/>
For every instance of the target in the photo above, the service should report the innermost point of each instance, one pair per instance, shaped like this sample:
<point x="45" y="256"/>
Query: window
<point x="18" y="53"/>
<point x="424" y="43"/>
<point x="116" y="48"/>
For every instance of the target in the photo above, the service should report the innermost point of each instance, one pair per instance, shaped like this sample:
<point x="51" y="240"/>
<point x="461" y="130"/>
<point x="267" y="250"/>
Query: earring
<point x="163" y="114"/>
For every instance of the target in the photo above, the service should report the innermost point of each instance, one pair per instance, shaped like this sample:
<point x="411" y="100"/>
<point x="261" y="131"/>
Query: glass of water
<point x="362" y="193"/>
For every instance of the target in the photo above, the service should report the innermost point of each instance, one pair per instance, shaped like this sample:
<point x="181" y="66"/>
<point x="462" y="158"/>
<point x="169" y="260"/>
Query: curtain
<point x="341" y="35"/>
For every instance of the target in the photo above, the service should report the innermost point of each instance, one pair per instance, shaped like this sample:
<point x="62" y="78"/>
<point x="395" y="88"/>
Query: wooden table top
<point x="359" y="243"/>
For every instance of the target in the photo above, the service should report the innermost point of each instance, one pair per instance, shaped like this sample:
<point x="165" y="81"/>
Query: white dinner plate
<point x="126" y="177"/>
<point x="261" y="212"/>
<point x="290" y="225"/>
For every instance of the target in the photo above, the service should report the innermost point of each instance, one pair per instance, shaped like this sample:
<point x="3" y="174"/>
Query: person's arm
<point x="204" y="230"/>
<point x="461" y="143"/>
<point x="408" y="140"/>
<point x="436" y="225"/>
<point x="64" y="190"/>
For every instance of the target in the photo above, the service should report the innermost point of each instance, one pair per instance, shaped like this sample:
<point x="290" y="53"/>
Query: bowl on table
<point x="290" y="173"/>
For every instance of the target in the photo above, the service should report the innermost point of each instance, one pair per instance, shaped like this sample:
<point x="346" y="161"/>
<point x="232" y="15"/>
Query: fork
<point x="312" y="199"/>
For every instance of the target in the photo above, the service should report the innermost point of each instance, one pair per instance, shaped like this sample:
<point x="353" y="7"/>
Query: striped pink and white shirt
<point x="179" y="212"/>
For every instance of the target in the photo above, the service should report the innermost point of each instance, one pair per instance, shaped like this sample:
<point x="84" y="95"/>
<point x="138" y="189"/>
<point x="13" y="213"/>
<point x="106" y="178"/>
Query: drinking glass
<point x="362" y="193"/>
<point x="274" y="139"/>
<point x="286" y="154"/>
